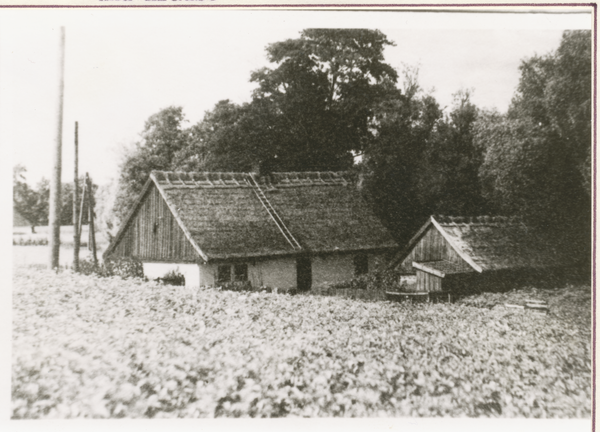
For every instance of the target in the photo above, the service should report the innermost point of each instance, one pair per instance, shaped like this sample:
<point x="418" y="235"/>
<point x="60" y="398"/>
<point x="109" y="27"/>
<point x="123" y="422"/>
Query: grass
<point x="34" y="248"/>
<point x="106" y="347"/>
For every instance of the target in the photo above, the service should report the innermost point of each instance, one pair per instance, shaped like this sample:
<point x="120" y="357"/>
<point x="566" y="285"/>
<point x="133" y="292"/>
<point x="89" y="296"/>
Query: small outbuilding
<point x="284" y="230"/>
<point x="453" y="255"/>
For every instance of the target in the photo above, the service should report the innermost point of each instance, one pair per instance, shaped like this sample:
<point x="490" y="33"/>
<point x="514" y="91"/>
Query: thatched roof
<point x="495" y="243"/>
<point x="225" y="217"/>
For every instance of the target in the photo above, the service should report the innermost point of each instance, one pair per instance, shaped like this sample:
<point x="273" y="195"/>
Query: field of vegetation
<point x="32" y="248"/>
<point x="92" y="347"/>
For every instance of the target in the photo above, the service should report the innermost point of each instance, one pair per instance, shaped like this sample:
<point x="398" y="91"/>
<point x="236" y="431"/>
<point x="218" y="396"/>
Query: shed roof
<point x="225" y="217"/>
<point x="496" y="243"/>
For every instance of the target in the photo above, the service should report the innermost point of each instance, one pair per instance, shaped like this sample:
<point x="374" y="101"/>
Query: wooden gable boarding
<point x="436" y="262"/>
<point x="430" y="246"/>
<point x="152" y="233"/>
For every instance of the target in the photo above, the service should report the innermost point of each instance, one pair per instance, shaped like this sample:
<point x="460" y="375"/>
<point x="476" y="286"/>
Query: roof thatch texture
<point x="226" y="218"/>
<point x="498" y="243"/>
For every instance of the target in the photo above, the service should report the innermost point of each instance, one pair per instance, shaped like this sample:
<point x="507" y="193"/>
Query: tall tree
<point x="448" y="175"/>
<point x="26" y="200"/>
<point x="537" y="158"/>
<point x="321" y="96"/>
<point x="404" y="127"/>
<point x="162" y="139"/>
<point x="229" y="138"/>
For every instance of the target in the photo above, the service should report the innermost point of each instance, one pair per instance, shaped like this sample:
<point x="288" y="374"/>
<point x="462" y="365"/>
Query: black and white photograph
<point x="378" y="213"/>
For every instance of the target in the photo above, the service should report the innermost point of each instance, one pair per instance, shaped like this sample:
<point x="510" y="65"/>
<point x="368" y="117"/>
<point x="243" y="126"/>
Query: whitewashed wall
<point x="328" y="269"/>
<point x="189" y="271"/>
<point x="275" y="273"/>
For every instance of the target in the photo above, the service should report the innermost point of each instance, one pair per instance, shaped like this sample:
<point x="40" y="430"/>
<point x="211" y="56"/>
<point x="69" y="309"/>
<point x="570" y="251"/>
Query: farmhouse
<point x="284" y="230"/>
<point x="457" y="254"/>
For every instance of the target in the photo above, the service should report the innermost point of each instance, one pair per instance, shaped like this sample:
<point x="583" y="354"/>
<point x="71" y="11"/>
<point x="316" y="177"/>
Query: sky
<point x="122" y="66"/>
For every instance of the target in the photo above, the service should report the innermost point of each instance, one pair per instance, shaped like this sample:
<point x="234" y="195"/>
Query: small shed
<point x="284" y="230"/>
<point x="461" y="254"/>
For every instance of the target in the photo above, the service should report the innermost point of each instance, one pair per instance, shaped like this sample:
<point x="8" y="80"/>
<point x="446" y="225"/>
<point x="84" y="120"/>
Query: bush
<point x="30" y="241"/>
<point x="174" y="277"/>
<point x="123" y="267"/>
<point x="238" y="286"/>
<point x="374" y="281"/>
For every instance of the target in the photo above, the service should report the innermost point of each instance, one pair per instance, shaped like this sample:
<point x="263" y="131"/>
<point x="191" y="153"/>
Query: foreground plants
<point x="85" y="346"/>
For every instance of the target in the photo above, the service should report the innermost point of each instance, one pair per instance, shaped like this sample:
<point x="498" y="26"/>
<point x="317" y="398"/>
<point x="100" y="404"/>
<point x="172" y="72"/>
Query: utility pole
<point x="76" y="202"/>
<point x="55" y="202"/>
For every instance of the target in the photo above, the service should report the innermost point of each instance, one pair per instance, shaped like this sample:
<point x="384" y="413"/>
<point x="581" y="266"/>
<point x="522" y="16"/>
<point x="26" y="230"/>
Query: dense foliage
<point x="85" y="346"/>
<point x="537" y="157"/>
<point x="33" y="203"/>
<point x="330" y="102"/>
<point x="162" y="139"/>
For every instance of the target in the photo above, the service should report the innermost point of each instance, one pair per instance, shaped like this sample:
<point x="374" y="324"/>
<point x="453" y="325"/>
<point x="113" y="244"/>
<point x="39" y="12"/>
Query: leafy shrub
<point x="123" y="267"/>
<point x="174" y="277"/>
<point x="88" y="267"/>
<point x="373" y="281"/>
<point x="238" y="286"/>
<point x="28" y="241"/>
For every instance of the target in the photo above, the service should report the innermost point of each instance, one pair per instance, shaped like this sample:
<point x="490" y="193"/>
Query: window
<point x="232" y="273"/>
<point x="240" y="272"/>
<point x="224" y="273"/>
<point x="361" y="264"/>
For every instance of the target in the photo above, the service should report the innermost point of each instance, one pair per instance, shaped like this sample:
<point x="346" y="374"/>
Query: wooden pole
<point x="76" y="203"/>
<point x="55" y="202"/>
<point x="92" y="233"/>
<point x="81" y="212"/>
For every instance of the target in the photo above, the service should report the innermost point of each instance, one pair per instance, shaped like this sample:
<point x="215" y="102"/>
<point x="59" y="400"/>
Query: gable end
<point x="152" y="233"/>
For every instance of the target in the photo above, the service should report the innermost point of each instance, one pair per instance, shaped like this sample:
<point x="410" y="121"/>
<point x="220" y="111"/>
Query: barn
<point x="453" y="255"/>
<point x="284" y="230"/>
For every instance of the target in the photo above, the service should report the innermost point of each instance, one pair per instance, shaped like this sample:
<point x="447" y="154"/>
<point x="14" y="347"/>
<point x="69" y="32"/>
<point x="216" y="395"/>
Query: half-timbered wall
<point x="431" y="247"/>
<point x="153" y="234"/>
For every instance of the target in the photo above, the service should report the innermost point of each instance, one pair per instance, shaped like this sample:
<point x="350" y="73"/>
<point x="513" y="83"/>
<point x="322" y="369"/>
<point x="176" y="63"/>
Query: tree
<point x="229" y="138"/>
<point x="537" y="157"/>
<point x="555" y="94"/>
<point x="404" y="126"/>
<point x="320" y="97"/>
<point x="162" y="139"/>
<point x="448" y="181"/>
<point x="26" y="200"/>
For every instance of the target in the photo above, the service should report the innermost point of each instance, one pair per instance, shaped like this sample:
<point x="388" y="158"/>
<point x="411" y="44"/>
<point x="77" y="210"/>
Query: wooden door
<point x="303" y="273"/>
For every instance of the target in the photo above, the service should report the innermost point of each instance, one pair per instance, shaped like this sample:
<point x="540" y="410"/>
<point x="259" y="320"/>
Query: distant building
<point x="458" y="254"/>
<point x="284" y="230"/>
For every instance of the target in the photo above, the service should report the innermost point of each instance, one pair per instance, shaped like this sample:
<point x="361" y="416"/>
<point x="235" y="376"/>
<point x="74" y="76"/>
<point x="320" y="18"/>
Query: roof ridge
<point x="479" y="220"/>
<point x="237" y="179"/>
